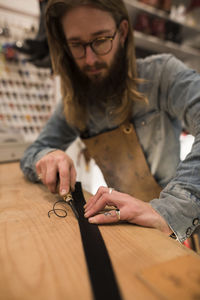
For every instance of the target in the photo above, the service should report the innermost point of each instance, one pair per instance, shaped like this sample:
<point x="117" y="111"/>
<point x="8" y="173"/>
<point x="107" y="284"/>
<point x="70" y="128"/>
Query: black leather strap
<point x="100" y="269"/>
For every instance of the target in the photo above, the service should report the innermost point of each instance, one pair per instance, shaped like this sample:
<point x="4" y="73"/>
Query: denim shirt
<point x="173" y="91"/>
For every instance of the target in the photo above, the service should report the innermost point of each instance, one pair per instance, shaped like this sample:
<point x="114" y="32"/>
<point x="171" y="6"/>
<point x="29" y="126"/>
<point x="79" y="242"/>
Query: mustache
<point x="96" y="66"/>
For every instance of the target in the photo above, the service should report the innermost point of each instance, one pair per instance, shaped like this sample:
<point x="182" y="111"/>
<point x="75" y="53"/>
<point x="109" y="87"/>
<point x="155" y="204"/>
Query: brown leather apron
<point x="120" y="157"/>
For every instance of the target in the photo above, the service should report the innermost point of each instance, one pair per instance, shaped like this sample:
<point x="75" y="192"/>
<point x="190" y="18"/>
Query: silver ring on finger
<point x="110" y="190"/>
<point x="117" y="211"/>
<point x="107" y="213"/>
<point x="40" y="176"/>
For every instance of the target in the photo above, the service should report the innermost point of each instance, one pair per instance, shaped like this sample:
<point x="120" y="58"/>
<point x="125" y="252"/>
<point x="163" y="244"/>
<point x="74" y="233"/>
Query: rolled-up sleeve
<point x="179" y="202"/>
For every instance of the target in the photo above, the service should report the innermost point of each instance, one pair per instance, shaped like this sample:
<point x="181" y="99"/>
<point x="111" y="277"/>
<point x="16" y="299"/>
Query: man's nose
<point x="90" y="56"/>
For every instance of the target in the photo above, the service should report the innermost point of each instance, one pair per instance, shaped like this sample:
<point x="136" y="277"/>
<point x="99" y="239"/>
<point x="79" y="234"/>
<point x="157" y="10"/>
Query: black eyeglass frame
<point x="85" y="45"/>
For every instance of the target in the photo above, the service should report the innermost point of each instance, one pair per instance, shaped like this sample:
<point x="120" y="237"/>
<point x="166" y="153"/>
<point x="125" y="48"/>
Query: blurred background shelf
<point x="135" y="6"/>
<point x="169" y="26"/>
<point x="155" y="44"/>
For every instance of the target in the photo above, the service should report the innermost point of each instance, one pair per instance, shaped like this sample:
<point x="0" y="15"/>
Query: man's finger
<point x="64" y="176"/>
<point x="90" y="203"/>
<point x="64" y="185"/>
<point x="87" y="205"/>
<point x="40" y="171"/>
<point x="51" y="178"/>
<point x="72" y="177"/>
<point x="97" y="205"/>
<point x="112" y="216"/>
<point x="43" y="174"/>
<point x="96" y="197"/>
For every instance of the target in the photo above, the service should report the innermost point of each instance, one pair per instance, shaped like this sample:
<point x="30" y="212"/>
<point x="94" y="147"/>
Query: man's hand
<point x="131" y="209"/>
<point x="54" y="166"/>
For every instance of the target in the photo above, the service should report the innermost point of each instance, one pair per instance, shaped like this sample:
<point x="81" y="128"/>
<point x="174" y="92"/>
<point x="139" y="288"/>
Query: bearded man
<point x="128" y="112"/>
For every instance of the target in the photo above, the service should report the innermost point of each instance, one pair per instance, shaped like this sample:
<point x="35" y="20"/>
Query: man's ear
<point x="123" y="29"/>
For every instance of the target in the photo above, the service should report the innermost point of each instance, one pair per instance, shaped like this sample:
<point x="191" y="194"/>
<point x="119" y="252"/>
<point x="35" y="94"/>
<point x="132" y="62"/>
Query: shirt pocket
<point x="146" y="119"/>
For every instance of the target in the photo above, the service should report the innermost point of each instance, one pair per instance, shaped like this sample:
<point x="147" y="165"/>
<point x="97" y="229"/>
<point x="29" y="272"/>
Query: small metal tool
<point x="69" y="200"/>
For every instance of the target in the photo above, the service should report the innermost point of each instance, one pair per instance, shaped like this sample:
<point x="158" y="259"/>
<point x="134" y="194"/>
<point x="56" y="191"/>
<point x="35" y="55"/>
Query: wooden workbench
<point x="42" y="258"/>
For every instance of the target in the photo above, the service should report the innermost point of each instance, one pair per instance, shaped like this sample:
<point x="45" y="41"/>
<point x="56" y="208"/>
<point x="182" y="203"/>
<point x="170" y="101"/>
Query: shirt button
<point x="143" y="123"/>
<point x="189" y="231"/>
<point x="195" y="221"/>
<point x="110" y="112"/>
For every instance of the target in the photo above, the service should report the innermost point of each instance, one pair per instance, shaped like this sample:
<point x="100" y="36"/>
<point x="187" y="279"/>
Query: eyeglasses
<point x="100" y="46"/>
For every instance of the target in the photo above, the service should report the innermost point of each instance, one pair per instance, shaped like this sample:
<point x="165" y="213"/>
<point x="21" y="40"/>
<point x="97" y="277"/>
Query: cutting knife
<point x="69" y="200"/>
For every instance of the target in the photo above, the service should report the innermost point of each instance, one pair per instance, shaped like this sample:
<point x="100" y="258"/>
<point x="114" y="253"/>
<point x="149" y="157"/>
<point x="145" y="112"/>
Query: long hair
<point x="62" y="62"/>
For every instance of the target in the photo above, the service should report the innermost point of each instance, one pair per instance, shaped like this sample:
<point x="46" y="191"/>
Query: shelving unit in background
<point x="154" y="44"/>
<point x="150" y="44"/>
<point x="27" y="93"/>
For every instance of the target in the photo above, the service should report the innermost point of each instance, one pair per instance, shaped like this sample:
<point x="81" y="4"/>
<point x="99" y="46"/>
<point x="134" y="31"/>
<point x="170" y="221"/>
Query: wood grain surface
<point x="42" y="258"/>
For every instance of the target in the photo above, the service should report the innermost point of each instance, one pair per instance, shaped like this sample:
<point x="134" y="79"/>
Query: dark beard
<point x="101" y="91"/>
